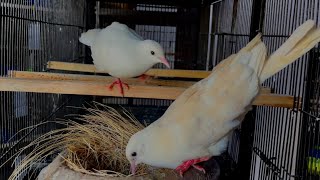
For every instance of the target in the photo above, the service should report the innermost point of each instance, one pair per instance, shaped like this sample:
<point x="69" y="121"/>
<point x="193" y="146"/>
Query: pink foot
<point x="144" y="77"/>
<point x="120" y="83"/>
<point x="187" y="164"/>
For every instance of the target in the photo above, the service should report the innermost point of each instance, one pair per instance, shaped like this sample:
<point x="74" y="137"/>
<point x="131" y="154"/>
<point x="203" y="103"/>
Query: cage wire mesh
<point x="33" y="32"/>
<point x="308" y="153"/>
<point x="231" y="30"/>
<point x="285" y="142"/>
<point x="280" y="146"/>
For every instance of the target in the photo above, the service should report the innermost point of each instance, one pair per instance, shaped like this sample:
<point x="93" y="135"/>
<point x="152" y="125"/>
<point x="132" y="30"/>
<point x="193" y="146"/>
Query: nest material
<point x="95" y="145"/>
<point x="100" y="143"/>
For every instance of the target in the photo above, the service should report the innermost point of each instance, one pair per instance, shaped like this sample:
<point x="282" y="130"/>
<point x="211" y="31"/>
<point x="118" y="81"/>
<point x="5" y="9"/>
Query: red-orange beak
<point x="165" y="62"/>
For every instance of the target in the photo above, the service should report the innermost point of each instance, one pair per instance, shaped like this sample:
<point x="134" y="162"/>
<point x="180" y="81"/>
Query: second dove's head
<point x="135" y="151"/>
<point x="154" y="52"/>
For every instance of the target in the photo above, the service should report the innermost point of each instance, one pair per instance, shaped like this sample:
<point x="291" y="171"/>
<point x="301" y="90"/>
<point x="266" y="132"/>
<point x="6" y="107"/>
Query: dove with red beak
<point x="121" y="52"/>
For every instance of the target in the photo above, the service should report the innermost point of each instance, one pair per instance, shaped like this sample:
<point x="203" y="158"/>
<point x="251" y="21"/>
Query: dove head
<point x="154" y="52"/>
<point x="135" y="151"/>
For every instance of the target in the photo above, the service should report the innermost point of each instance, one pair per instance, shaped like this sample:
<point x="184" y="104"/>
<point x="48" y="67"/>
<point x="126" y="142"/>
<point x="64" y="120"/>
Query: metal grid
<point x="283" y="139"/>
<point x="308" y="153"/>
<point x="279" y="140"/>
<point x="229" y="35"/>
<point x="33" y="32"/>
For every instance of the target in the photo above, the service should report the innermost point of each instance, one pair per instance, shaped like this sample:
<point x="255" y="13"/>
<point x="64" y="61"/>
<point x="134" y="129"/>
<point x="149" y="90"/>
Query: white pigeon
<point x="121" y="52"/>
<point x="196" y="125"/>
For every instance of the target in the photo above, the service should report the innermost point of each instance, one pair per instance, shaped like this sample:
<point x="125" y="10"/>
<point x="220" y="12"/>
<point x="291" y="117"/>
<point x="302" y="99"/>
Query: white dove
<point x="121" y="52"/>
<point x="196" y="125"/>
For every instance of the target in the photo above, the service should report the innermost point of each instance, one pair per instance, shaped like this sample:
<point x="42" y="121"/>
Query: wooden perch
<point x="105" y="79"/>
<point x="137" y="91"/>
<point x="197" y="74"/>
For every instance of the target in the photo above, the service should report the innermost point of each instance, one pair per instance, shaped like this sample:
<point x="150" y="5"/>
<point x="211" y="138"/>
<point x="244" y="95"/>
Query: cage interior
<point x="272" y="142"/>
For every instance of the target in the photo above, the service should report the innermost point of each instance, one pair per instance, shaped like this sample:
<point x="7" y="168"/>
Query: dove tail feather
<point x="305" y="37"/>
<point x="87" y="38"/>
<point x="259" y="54"/>
<point x="252" y="43"/>
<point x="254" y="54"/>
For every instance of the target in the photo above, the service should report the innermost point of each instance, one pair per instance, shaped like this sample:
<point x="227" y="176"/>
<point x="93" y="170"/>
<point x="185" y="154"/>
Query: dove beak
<point x="165" y="61"/>
<point x="133" y="167"/>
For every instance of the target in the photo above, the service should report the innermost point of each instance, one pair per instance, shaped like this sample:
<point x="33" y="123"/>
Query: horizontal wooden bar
<point x="180" y="73"/>
<point x="87" y="88"/>
<point x="136" y="91"/>
<point x="106" y="79"/>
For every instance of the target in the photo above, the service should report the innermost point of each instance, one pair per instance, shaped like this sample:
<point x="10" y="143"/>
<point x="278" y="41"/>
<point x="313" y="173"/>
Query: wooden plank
<point x="152" y="72"/>
<point x="105" y="79"/>
<point x="180" y="73"/>
<point x="136" y="91"/>
<point x="275" y="100"/>
<point x="265" y="90"/>
<point x="86" y="88"/>
<point x="66" y="66"/>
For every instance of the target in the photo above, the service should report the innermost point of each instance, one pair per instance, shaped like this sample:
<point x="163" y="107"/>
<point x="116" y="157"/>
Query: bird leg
<point x="120" y="83"/>
<point x="144" y="77"/>
<point x="187" y="164"/>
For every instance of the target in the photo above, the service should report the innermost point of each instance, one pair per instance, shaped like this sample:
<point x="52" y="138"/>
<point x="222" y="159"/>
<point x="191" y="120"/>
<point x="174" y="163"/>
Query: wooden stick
<point x="86" y="88"/>
<point x="152" y="72"/>
<point x="136" y="91"/>
<point x="105" y="79"/>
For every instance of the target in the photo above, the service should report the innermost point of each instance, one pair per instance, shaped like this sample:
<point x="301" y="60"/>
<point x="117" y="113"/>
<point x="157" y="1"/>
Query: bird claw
<point x="199" y="168"/>
<point x="143" y="77"/>
<point x="187" y="164"/>
<point x="120" y="83"/>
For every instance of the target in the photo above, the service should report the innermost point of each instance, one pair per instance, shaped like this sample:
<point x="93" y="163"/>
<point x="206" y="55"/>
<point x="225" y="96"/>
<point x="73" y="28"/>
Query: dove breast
<point x="120" y="58"/>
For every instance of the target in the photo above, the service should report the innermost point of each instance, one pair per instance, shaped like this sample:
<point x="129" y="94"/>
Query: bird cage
<point x="38" y="37"/>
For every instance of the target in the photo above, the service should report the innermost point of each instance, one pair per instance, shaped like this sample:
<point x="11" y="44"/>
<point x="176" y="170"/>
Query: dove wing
<point x="125" y="30"/>
<point x="205" y="112"/>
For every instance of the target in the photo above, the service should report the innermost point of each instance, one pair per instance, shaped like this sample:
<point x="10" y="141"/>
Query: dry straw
<point x="95" y="144"/>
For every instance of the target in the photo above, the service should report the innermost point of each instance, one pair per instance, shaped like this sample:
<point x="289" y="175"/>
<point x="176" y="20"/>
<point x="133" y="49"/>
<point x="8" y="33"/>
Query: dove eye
<point x="134" y="154"/>
<point x="152" y="52"/>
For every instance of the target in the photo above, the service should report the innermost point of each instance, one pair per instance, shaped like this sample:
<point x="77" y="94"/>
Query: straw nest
<point x="94" y="145"/>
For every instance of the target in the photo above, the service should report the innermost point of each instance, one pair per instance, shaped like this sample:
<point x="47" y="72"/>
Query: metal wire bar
<point x="35" y="128"/>
<point x="32" y="33"/>
<point x="44" y="22"/>
<point x="285" y="126"/>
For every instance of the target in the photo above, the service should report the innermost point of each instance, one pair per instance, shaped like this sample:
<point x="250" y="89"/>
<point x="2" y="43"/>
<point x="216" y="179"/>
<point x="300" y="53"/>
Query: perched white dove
<point x="196" y="125"/>
<point x="121" y="52"/>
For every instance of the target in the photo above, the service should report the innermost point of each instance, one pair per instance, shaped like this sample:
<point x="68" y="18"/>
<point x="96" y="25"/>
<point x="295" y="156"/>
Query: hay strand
<point x="92" y="144"/>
